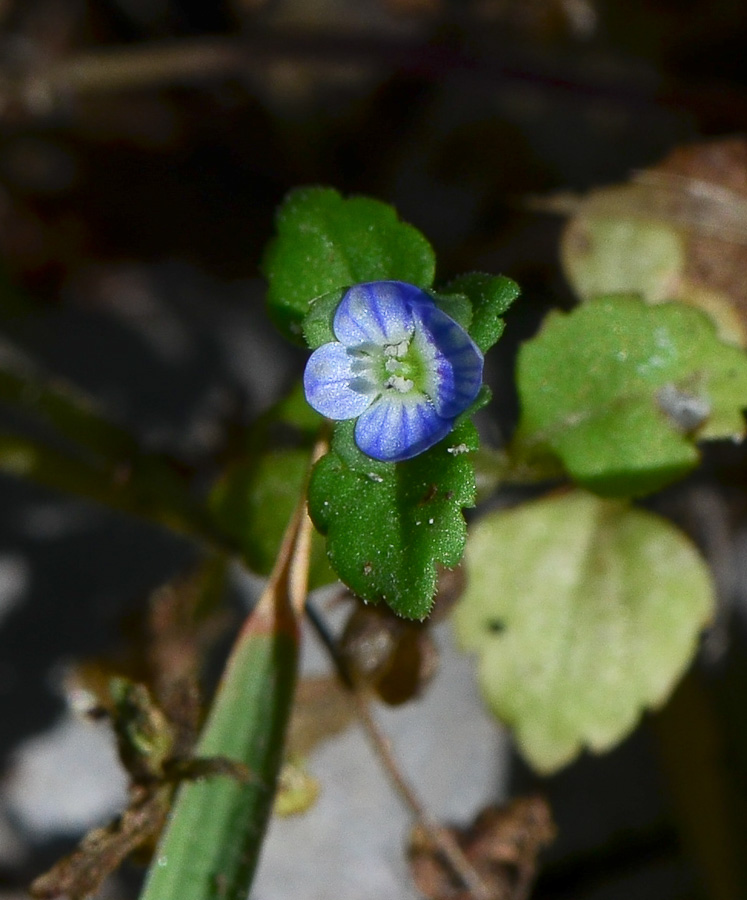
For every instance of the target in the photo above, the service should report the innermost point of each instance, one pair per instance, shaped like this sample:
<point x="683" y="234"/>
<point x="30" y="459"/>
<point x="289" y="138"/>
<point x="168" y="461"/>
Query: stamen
<point x="399" y="350"/>
<point x="403" y="385"/>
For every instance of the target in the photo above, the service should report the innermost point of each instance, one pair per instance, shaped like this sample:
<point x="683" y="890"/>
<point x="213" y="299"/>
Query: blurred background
<point x="144" y="145"/>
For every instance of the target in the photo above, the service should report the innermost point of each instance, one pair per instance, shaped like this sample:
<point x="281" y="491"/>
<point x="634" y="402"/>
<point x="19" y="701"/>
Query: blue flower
<point x="400" y="365"/>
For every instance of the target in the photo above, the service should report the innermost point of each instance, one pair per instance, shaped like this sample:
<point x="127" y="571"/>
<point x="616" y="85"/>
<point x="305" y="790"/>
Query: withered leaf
<point x="394" y="657"/>
<point x="103" y="850"/>
<point x="322" y="708"/>
<point x="502" y="844"/>
<point x="677" y="231"/>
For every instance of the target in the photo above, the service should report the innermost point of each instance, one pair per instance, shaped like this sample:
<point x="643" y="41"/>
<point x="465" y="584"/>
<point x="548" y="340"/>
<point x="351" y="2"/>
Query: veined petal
<point x="397" y="427"/>
<point x="331" y="386"/>
<point x="377" y="312"/>
<point x="453" y="362"/>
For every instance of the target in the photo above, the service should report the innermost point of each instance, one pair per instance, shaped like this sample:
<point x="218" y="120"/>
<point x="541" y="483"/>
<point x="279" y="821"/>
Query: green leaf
<point x="253" y="502"/>
<point x="151" y="489"/>
<point x="255" y="496"/>
<point x="388" y="524"/>
<point x="457" y="306"/>
<point x="291" y="412"/>
<point x="584" y="612"/>
<point x="621" y="391"/>
<point x="490" y="296"/>
<point x="317" y="326"/>
<point x="325" y="243"/>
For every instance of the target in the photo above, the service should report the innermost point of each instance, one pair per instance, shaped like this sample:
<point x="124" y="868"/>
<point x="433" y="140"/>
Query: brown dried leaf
<point x="102" y="851"/>
<point x="717" y="245"/>
<point x="155" y="737"/>
<point x="677" y="231"/>
<point x="322" y="708"/>
<point x="394" y="657"/>
<point x="503" y="845"/>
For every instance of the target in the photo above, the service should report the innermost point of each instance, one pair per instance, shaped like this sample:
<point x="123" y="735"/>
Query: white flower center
<point x="391" y="367"/>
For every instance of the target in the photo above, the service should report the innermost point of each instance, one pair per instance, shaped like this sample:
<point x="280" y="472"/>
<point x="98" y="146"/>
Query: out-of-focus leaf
<point x="297" y="791"/>
<point x="584" y="612"/>
<point x="255" y="496"/>
<point x="149" y="488"/>
<point x="294" y="412"/>
<point x="608" y="250"/>
<point x="253" y="502"/>
<point x="70" y="413"/>
<point x="390" y="656"/>
<point x="325" y="242"/>
<point x="322" y="708"/>
<point x="620" y="392"/>
<point x="677" y="231"/>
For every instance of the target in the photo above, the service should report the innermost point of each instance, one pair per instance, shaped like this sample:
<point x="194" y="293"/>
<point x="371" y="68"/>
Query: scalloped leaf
<point x="621" y="391"/>
<point x="325" y="242"/>
<point x="388" y="525"/>
<point x="490" y="297"/>
<point x="584" y="612"/>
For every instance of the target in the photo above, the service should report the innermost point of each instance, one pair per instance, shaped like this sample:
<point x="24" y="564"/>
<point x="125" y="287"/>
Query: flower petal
<point x="377" y="313"/>
<point x="397" y="427"/>
<point x="453" y="361"/>
<point x="328" y="383"/>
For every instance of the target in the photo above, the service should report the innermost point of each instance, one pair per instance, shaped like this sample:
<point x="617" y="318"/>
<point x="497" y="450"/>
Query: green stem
<point x="211" y="845"/>
<point x="71" y="414"/>
<point x="212" y="842"/>
<point x="144" y="486"/>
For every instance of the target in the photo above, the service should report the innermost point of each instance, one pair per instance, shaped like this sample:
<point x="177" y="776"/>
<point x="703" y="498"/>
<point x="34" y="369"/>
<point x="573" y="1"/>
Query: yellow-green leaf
<point x="584" y="612"/>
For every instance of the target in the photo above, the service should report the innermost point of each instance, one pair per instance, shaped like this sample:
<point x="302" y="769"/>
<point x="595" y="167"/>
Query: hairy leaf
<point x="490" y="297"/>
<point x="584" y="612"/>
<point x="388" y="524"/>
<point x="325" y="242"/>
